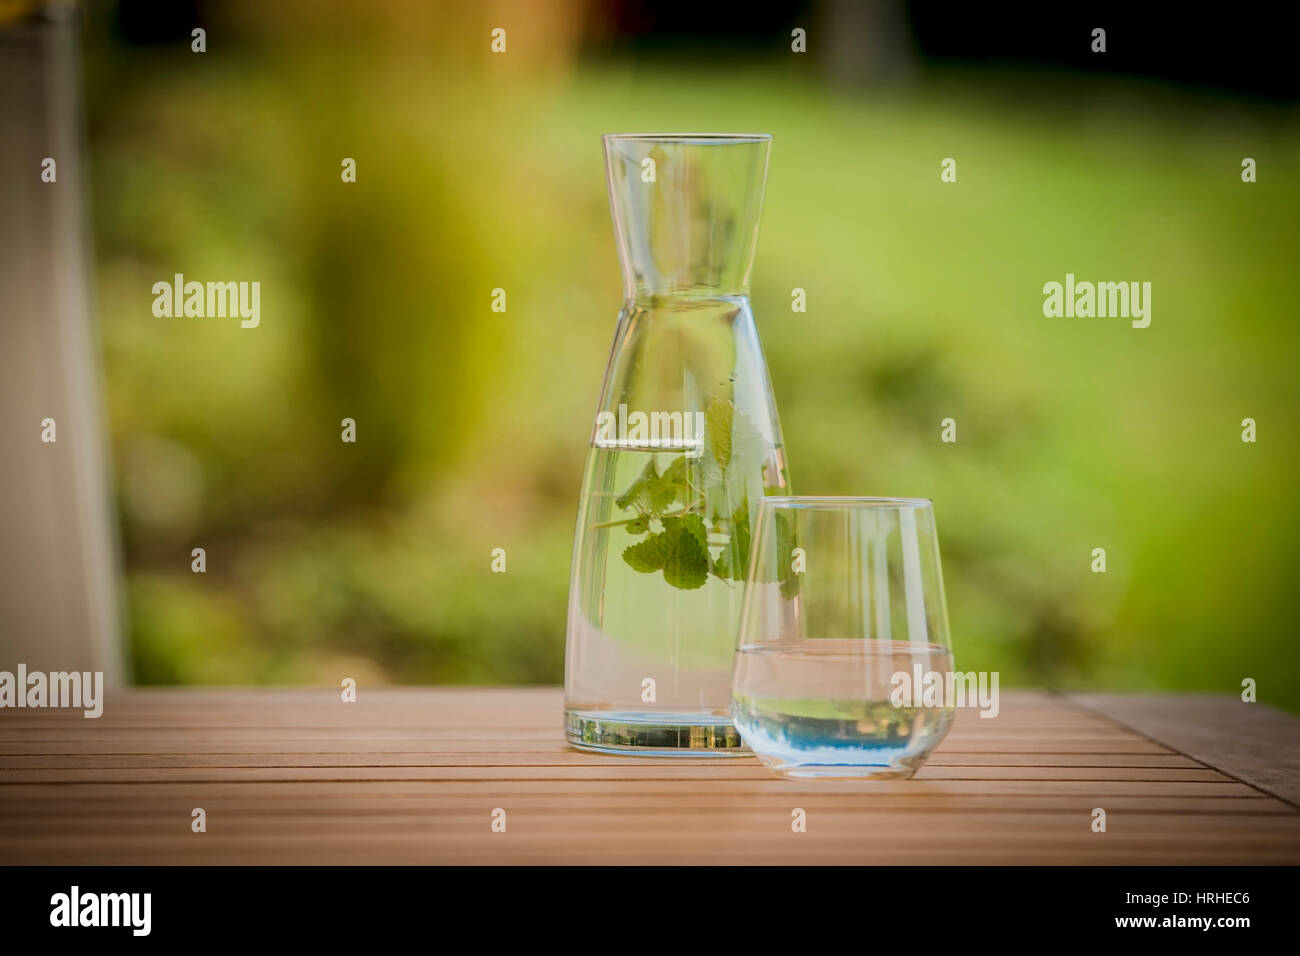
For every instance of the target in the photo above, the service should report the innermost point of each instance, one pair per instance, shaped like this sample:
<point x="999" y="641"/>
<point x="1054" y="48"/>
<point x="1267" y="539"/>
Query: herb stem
<point x="667" y="514"/>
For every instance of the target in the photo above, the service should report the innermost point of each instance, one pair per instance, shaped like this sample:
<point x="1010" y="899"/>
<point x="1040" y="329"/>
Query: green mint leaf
<point x="638" y="491"/>
<point x="646" y="556"/>
<point x="660" y="495"/>
<point x="748" y="456"/>
<point x="686" y="559"/>
<point x="733" y="560"/>
<point x="639" y="525"/>
<point x="677" y="476"/>
<point x="789" y="585"/>
<point x="735" y="459"/>
<point x="691" y="524"/>
<point x="717" y="421"/>
<point x="655" y="493"/>
<point x="680" y="551"/>
<point x="786" y="542"/>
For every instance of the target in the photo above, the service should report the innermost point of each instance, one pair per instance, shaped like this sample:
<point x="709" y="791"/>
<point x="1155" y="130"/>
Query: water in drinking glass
<point x="823" y="708"/>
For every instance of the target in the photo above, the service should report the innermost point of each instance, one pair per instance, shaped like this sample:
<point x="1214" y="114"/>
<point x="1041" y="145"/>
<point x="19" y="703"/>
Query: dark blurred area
<point x="1247" y="54"/>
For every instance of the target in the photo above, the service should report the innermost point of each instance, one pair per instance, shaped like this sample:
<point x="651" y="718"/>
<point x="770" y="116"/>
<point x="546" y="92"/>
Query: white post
<point x="59" y="600"/>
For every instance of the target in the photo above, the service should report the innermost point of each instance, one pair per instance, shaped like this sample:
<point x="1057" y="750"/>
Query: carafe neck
<point x="686" y="210"/>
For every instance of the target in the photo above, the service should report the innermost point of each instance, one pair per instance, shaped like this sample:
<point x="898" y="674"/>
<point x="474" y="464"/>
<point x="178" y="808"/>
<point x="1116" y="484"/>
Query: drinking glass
<point x="842" y="619"/>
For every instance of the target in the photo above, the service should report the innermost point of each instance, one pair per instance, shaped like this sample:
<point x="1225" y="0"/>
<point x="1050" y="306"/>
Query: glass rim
<point x="827" y="502"/>
<point x="695" y="139"/>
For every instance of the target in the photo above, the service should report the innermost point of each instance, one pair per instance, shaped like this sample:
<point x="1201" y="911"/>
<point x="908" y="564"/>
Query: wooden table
<point x="413" y="776"/>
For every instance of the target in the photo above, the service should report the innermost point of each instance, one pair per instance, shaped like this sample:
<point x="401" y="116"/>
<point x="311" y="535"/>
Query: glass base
<point x="653" y="734"/>
<point x="895" y="770"/>
<point x="845" y="773"/>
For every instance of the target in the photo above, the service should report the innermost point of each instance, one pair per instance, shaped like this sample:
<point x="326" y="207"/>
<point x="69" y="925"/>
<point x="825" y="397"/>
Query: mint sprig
<point x="695" y="513"/>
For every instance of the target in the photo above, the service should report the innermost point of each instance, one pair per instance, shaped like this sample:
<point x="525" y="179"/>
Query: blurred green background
<point x="477" y="171"/>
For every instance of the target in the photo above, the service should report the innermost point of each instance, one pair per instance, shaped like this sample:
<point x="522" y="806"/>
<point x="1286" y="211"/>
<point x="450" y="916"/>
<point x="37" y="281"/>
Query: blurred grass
<point x="924" y="302"/>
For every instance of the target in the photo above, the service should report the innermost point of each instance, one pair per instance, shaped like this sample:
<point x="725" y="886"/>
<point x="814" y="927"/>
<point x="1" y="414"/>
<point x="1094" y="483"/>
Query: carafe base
<point x="654" y="734"/>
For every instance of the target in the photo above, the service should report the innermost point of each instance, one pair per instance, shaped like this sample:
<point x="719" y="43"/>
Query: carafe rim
<point x="694" y="139"/>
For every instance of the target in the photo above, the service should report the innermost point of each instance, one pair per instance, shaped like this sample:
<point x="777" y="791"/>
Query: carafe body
<point x="685" y="442"/>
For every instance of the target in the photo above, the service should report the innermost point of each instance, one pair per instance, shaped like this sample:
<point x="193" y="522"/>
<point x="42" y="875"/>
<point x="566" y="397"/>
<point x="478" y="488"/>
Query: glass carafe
<point x="685" y="442"/>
